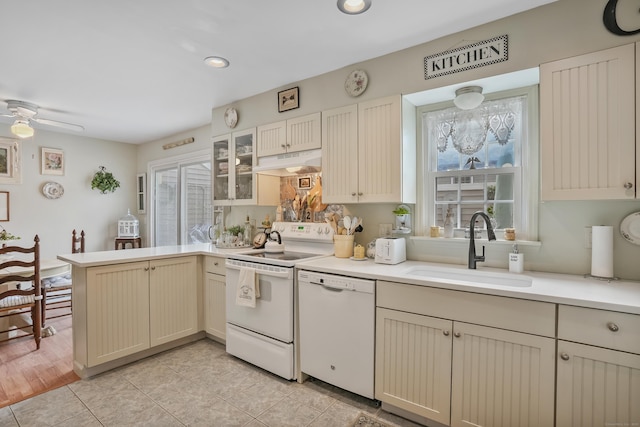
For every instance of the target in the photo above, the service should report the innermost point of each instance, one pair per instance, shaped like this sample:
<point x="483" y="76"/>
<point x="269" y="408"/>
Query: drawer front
<point x="214" y="264"/>
<point x="513" y="314"/>
<point x="609" y="329"/>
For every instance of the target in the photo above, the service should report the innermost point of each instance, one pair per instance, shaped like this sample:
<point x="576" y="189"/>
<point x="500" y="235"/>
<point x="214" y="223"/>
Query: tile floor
<point x="196" y="385"/>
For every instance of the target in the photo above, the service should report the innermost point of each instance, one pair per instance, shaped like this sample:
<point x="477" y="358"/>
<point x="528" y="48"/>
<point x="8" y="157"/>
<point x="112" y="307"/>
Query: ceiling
<point x="133" y="71"/>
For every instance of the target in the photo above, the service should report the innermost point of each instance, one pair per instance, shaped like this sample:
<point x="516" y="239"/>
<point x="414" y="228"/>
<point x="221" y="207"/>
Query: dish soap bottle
<point x="448" y="224"/>
<point x="516" y="261"/>
<point x="247" y="232"/>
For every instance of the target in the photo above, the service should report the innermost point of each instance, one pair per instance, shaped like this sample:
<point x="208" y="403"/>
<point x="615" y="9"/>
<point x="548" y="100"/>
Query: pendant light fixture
<point x="354" y="7"/>
<point x="469" y="97"/>
<point x="21" y="129"/>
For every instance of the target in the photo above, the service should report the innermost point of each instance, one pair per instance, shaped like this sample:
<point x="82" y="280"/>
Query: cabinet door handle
<point x="445" y="333"/>
<point x="628" y="186"/>
<point x="353" y="194"/>
<point x="564" y="356"/>
<point x="457" y="334"/>
<point x="153" y="268"/>
<point x="359" y="194"/>
<point x="283" y="145"/>
<point x="215" y="263"/>
<point x="146" y="269"/>
<point x="613" y="327"/>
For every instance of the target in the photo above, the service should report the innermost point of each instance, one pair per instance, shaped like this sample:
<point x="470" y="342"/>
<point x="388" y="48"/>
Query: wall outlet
<point x="587" y="237"/>
<point x="384" y="230"/>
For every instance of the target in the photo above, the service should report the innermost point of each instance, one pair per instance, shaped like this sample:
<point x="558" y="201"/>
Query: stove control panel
<point x="313" y="231"/>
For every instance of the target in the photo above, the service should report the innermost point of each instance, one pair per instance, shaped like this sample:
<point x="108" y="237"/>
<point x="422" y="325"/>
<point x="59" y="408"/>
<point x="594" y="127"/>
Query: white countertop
<point x="92" y="259"/>
<point x="568" y="289"/>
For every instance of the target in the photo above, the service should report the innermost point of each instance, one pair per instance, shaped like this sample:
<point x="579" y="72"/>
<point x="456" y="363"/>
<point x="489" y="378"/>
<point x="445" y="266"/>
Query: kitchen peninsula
<point x="129" y="304"/>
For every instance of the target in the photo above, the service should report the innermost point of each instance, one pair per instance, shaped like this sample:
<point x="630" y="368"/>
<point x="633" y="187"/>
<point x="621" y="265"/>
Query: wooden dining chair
<point x="20" y="298"/>
<point x="77" y="243"/>
<point x="58" y="288"/>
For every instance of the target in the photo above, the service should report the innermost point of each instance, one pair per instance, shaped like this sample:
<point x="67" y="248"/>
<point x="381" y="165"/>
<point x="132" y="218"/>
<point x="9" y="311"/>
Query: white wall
<point x="79" y="207"/>
<point x="562" y="29"/>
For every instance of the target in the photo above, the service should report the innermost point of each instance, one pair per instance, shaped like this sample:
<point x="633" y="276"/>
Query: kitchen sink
<point x="472" y="277"/>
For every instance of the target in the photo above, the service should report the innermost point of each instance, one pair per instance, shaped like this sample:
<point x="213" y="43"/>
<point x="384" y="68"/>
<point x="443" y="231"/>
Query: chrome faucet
<point x="473" y="258"/>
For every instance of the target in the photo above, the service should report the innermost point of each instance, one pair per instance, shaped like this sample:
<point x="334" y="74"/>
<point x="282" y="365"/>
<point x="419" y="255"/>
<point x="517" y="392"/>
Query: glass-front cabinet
<point x="233" y="160"/>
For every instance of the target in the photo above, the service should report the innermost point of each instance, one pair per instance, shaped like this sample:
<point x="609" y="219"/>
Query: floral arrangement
<point x="104" y="181"/>
<point x="5" y="235"/>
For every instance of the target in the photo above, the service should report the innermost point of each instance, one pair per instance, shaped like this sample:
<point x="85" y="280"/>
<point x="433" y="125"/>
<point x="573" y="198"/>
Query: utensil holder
<point x="343" y="245"/>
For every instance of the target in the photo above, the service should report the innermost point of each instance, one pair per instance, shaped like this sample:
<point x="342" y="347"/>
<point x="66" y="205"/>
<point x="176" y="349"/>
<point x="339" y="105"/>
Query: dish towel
<point x="248" y="289"/>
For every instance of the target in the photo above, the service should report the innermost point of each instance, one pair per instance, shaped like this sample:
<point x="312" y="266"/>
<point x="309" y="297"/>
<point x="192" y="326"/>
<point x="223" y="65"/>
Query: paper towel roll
<point x="602" y="251"/>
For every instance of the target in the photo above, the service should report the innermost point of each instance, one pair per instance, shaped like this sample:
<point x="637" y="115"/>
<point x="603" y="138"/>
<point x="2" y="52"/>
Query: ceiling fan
<point x="25" y="113"/>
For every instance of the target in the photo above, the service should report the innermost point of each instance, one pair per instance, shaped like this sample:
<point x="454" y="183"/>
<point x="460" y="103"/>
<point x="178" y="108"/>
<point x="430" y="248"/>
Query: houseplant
<point x="5" y="236"/>
<point x="104" y="181"/>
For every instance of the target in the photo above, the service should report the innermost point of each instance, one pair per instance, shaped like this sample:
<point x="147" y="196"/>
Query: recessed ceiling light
<point x="354" y="7"/>
<point x="216" y="62"/>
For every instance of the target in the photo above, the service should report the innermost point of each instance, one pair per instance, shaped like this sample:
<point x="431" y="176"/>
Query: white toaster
<point x="390" y="250"/>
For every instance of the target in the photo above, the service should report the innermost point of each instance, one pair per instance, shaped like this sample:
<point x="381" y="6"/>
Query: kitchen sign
<point x="468" y="57"/>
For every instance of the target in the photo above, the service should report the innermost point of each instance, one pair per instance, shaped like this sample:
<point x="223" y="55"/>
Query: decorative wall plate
<point x="231" y="117"/>
<point x="52" y="190"/>
<point x="356" y="83"/>
<point x="630" y="228"/>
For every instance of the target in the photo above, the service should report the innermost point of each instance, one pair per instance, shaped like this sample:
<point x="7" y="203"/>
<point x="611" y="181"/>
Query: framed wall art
<point x="304" y="182"/>
<point x="288" y="99"/>
<point x="52" y="161"/>
<point x="10" y="161"/>
<point x="4" y="206"/>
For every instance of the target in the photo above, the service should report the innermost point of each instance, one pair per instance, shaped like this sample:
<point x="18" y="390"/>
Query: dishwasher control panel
<point x="333" y="281"/>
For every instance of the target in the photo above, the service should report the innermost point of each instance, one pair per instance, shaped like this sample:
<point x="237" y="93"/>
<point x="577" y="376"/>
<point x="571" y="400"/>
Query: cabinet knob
<point x="353" y="194"/>
<point x="359" y="194"/>
<point x="445" y="333"/>
<point x="215" y="263"/>
<point x="457" y="334"/>
<point x="146" y="269"/>
<point x="153" y="268"/>
<point x="283" y="146"/>
<point x="613" y="327"/>
<point x="628" y="186"/>
<point x="564" y="356"/>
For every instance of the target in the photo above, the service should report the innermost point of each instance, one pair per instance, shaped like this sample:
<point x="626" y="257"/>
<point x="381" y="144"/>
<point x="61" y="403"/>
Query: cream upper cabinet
<point x="364" y="156"/>
<point x="587" y="126"/>
<point x="340" y="155"/>
<point x="288" y="136"/>
<point x="234" y="182"/>
<point x="465" y="359"/>
<point x="234" y="157"/>
<point x="598" y="367"/>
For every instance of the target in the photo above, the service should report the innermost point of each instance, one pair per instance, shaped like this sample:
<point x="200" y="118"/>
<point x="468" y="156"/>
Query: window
<point x="181" y="200"/>
<point x="479" y="160"/>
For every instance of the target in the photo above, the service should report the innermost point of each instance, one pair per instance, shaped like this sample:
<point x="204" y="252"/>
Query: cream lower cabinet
<point x="214" y="297"/>
<point x="446" y="369"/>
<point x="599" y="372"/>
<point x="134" y="306"/>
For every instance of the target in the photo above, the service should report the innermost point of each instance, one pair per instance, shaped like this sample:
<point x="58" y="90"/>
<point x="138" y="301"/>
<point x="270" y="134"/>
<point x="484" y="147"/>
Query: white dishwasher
<point x="337" y="324"/>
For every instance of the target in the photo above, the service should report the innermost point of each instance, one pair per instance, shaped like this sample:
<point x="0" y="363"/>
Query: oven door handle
<point x="277" y="272"/>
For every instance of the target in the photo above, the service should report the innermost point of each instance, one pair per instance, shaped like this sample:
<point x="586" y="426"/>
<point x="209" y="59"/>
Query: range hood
<point x="290" y="163"/>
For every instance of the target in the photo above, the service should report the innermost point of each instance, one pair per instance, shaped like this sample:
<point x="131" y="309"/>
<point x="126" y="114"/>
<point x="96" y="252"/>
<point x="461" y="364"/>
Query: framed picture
<point x="141" y="185"/>
<point x="4" y="206"/>
<point x="10" y="161"/>
<point x="304" y="182"/>
<point x="52" y="161"/>
<point x="288" y="99"/>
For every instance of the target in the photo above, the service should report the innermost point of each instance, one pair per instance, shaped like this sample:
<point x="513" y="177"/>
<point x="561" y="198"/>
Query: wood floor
<point x="26" y="372"/>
